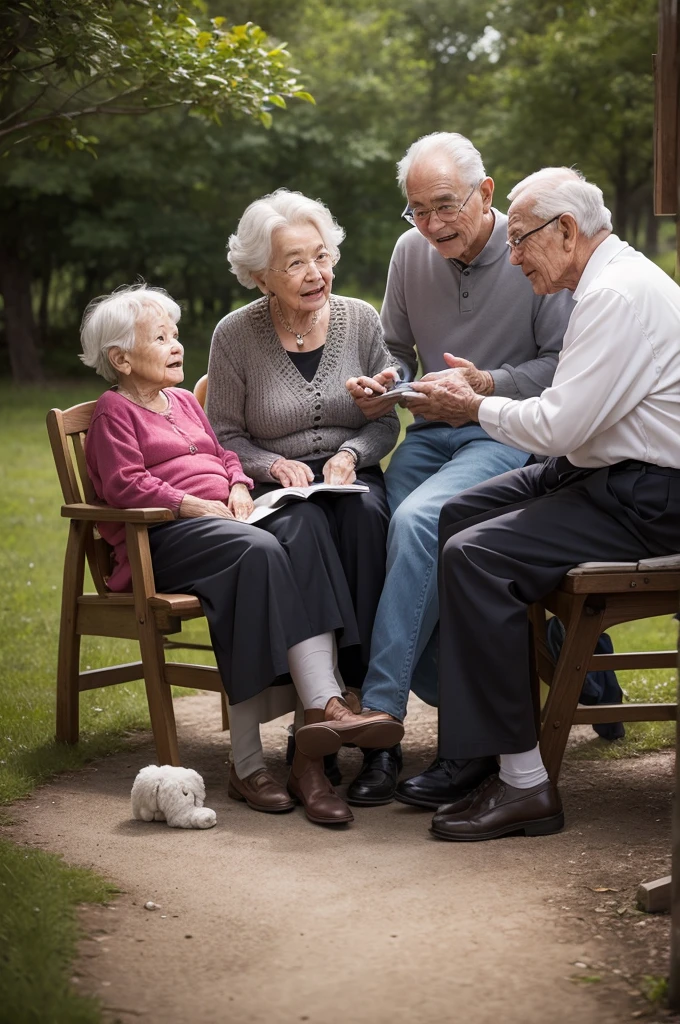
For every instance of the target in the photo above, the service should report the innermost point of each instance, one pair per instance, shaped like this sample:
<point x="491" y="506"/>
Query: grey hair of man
<point x="450" y="145"/>
<point x="250" y="248"/>
<point x="110" y="320"/>
<point x="556" y="190"/>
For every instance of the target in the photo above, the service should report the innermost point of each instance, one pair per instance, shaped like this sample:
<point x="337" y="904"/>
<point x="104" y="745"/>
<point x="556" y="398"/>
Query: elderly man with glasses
<point x="608" y="490"/>
<point x="453" y="298"/>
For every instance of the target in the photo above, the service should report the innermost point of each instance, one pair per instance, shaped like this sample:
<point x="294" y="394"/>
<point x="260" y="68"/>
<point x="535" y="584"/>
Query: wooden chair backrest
<point x="67" y="431"/>
<point x="201" y="390"/>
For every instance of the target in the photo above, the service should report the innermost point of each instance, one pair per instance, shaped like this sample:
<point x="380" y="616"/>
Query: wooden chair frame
<point x="143" y="615"/>
<point x="589" y="600"/>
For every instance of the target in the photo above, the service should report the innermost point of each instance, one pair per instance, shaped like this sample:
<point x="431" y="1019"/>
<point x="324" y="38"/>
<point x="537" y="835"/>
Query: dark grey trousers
<point x="507" y="543"/>
<point x="263" y="588"/>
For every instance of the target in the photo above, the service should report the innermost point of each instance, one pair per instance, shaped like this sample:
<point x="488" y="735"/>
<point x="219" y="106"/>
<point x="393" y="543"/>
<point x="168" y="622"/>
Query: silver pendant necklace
<point x="178" y="430"/>
<point x="299" y="338"/>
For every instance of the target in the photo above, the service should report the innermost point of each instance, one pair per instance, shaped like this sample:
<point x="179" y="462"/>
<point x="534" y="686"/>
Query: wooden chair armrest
<point x="105" y="514"/>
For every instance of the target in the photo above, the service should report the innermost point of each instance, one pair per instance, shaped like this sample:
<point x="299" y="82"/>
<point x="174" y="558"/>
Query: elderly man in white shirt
<point x="610" y="489"/>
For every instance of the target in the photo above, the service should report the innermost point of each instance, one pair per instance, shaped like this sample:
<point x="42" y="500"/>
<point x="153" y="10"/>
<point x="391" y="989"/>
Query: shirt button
<point x="466" y="273"/>
<point x="465" y="295"/>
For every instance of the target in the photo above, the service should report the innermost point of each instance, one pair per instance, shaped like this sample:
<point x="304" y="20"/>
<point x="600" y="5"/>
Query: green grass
<point x="38" y="937"/>
<point x="649" y="685"/>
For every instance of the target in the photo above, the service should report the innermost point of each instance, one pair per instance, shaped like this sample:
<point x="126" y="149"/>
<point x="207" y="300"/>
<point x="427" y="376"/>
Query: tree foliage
<point x="65" y="60"/>
<point x="531" y="82"/>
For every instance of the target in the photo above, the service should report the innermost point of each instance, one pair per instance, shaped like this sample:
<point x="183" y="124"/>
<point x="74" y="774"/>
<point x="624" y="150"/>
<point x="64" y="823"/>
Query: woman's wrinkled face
<point x="301" y="269"/>
<point x="156" y="358"/>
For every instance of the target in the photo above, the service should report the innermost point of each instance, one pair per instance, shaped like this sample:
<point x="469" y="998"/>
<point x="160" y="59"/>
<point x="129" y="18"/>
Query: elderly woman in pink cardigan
<point x="274" y="596"/>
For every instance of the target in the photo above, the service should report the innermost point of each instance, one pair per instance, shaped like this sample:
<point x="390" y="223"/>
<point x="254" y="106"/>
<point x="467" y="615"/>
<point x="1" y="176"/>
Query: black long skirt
<point x="263" y="588"/>
<point x="358" y="527"/>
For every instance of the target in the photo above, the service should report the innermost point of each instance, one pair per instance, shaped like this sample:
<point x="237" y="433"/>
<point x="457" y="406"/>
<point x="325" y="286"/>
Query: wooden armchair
<point x="590" y="599"/>
<point x="143" y="615"/>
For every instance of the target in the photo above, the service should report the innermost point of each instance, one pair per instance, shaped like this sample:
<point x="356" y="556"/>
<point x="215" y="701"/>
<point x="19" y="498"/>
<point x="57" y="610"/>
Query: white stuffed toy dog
<point x="170" y="794"/>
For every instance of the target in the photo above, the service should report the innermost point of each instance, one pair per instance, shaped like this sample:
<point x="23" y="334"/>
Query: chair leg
<point x="68" y="664"/>
<point x="158" y="695"/>
<point x="583" y="629"/>
<point x="225" y="712"/>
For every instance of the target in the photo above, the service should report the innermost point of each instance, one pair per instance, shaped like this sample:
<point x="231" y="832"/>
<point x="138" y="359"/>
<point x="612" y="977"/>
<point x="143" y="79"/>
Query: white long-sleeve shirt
<point x="616" y="390"/>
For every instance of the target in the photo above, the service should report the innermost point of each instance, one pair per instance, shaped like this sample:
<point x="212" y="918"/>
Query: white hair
<point x="555" y="190"/>
<point x="456" y="147"/>
<point x="109" y="322"/>
<point x="249" y="250"/>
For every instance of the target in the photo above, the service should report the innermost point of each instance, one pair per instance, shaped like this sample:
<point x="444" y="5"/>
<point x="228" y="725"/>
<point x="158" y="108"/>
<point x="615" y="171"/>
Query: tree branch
<point x="87" y="111"/>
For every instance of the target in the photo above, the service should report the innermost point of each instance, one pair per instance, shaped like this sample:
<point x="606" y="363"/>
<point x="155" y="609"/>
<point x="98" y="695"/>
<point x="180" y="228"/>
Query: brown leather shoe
<point x="261" y="791"/>
<point x="325" y="731"/>
<point x="310" y="787"/>
<point x="497" y="809"/>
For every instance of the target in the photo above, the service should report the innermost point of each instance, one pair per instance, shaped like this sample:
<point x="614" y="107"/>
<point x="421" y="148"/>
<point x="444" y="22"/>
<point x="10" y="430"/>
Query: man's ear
<point x="119" y="360"/>
<point x="569" y="230"/>
<point x="486" y="189"/>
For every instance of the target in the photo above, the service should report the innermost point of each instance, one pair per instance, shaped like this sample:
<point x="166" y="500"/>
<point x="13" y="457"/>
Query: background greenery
<point x="531" y="82"/>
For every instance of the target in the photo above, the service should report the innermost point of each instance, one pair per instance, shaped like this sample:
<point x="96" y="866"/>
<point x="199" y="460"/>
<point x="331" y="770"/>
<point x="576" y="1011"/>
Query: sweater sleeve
<point x="230" y="459"/>
<point x="118" y="469"/>
<point x="225" y="408"/>
<point x="378" y="437"/>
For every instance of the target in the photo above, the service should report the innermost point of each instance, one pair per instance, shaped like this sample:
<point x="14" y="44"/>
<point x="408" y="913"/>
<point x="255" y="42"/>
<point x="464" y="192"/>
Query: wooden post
<point x="667" y="201"/>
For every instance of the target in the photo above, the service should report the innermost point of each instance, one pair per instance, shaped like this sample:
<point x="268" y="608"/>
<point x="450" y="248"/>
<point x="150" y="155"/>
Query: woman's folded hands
<point x="239" y="505"/>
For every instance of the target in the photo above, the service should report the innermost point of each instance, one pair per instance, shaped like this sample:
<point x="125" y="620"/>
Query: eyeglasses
<point x="297" y="267"/>
<point x="447" y="212"/>
<point x="515" y="243"/>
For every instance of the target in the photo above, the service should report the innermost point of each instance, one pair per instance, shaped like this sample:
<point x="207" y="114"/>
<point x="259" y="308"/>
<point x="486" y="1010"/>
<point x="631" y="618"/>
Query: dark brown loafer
<point x="260" y="791"/>
<point x="497" y="809"/>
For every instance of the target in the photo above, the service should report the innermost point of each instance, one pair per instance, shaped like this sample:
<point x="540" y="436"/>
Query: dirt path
<point x="271" y="919"/>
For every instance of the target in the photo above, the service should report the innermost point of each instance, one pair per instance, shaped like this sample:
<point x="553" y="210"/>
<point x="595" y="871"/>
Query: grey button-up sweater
<point x="261" y="407"/>
<point x="486" y="312"/>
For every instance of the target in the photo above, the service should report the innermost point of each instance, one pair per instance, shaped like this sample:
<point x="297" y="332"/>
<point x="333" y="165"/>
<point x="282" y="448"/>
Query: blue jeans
<point x="431" y="465"/>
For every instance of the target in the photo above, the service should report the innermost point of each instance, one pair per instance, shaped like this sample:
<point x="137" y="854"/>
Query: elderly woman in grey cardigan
<point x="277" y="396"/>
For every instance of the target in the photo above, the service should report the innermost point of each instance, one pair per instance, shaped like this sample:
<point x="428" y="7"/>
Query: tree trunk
<point x="20" y="326"/>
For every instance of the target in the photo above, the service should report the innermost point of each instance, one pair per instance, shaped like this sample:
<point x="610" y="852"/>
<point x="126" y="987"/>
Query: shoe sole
<point x="430" y="805"/>
<point x="326" y="737"/>
<point x="541" y="827"/>
<point x="235" y="795"/>
<point x="324" y="821"/>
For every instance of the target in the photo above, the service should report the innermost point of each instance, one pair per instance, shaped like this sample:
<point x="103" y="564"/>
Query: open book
<point x="272" y="501"/>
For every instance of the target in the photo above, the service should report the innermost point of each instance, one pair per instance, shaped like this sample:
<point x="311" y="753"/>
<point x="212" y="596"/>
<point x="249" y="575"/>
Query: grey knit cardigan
<point x="261" y="407"/>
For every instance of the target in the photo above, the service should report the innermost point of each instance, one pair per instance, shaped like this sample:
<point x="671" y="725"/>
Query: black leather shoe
<point x="331" y="768"/>
<point x="498" y="809"/>
<point x="444" y="781"/>
<point x="377" y="779"/>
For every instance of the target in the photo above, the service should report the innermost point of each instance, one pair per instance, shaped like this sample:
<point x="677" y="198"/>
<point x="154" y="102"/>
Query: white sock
<point x="523" y="770"/>
<point x="311" y="666"/>
<point x="244" y="729"/>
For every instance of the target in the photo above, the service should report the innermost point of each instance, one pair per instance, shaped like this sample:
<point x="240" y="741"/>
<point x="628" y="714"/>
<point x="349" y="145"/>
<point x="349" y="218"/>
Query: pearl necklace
<point x="299" y="338"/>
